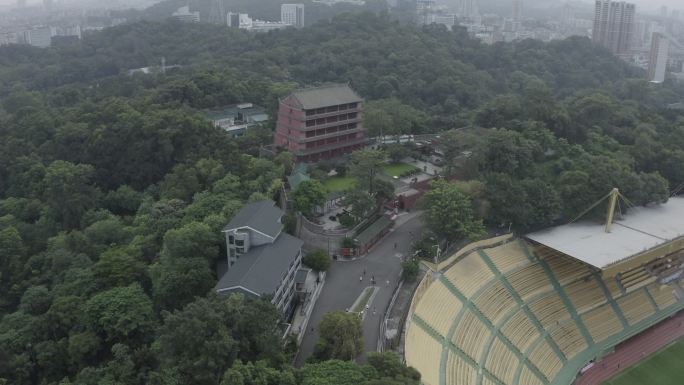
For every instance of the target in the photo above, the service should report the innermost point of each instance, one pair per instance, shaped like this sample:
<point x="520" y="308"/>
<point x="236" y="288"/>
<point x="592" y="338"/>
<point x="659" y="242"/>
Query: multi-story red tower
<point x="320" y="123"/>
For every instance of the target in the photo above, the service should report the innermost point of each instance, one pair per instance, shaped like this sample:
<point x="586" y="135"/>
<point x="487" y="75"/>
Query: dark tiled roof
<point x="296" y="178"/>
<point x="262" y="216"/>
<point x="262" y="269"/>
<point x="324" y="96"/>
<point x="373" y="230"/>
<point x="255" y="112"/>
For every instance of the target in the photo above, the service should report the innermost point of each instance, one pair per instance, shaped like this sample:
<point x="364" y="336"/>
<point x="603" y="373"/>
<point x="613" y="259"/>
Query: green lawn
<point x="663" y="368"/>
<point x="364" y="300"/>
<point x="397" y="169"/>
<point x="339" y="183"/>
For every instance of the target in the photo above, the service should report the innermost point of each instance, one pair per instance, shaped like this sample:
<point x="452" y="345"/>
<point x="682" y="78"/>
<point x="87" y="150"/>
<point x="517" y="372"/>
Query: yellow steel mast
<point x="613" y="198"/>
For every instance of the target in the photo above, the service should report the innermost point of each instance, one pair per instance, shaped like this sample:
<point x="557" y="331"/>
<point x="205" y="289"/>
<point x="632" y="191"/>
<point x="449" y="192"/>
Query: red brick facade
<point x="320" y="133"/>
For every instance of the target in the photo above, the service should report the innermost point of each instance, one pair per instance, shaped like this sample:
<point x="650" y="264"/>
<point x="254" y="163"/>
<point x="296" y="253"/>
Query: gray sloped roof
<point x="262" y="216"/>
<point x="324" y="96"/>
<point x="262" y="269"/>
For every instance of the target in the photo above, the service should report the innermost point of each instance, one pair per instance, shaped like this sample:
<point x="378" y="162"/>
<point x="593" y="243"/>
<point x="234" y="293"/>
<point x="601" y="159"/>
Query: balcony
<point x="282" y="118"/>
<point x="356" y="120"/>
<point x="358" y="110"/>
<point x="332" y="146"/>
<point x="330" y="135"/>
<point x="331" y="110"/>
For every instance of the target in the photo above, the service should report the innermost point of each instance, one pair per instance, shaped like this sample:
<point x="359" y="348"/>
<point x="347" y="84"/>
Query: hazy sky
<point x="656" y="4"/>
<point x="649" y="6"/>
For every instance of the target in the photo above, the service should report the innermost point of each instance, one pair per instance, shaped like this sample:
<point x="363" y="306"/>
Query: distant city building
<point x="233" y="19"/>
<point x="243" y="21"/>
<point x="237" y="119"/>
<point x="613" y="25"/>
<point x="517" y="10"/>
<point x="517" y="15"/>
<point x="583" y="24"/>
<point x="333" y="2"/>
<point x="47" y="4"/>
<point x="467" y="8"/>
<point x="21" y="3"/>
<point x="657" y="64"/>
<point x="262" y="259"/>
<point x="448" y="20"/>
<point x="217" y="14"/>
<point x="292" y="14"/>
<point x="39" y="37"/>
<point x="64" y="40"/>
<point x="72" y="31"/>
<point x="265" y="26"/>
<point x="162" y="69"/>
<point x="7" y="38"/>
<point x="567" y="13"/>
<point x="424" y="10"/>
<point x="185" y="15"/>
<point x="320" y="123"/>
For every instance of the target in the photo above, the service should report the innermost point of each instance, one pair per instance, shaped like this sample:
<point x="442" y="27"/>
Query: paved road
<point x="342" y="285"/>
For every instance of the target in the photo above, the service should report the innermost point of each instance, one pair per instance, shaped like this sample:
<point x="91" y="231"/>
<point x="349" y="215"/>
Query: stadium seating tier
<point x="518" y="314"/>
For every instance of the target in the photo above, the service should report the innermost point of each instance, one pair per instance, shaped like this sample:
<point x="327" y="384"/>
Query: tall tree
<point x="121" y="314"/>
<point x="309" y="195"/>
<point x="365" y="165"/>
<point x="69" y="191"/>
<point x="449" y="213"/>
<point x="342" y="335"/>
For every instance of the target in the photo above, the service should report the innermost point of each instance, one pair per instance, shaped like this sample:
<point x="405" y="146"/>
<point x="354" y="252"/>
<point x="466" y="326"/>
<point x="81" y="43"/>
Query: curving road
<point x="342" y="285"/>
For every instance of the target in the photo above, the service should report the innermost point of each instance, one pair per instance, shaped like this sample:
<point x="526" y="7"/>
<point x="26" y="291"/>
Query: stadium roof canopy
<point x="641" y="230"/>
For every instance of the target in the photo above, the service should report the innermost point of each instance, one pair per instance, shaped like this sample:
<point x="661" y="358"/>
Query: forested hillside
<point x="113" y="189"/>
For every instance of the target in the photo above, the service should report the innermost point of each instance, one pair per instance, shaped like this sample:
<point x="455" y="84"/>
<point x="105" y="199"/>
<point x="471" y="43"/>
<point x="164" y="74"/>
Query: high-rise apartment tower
<point x="467" y="8"/>
<point x="657" y="64"/>
<point x="517" y="10"/>
<point x="292" y="14"/>
<point x="613" y="25"/>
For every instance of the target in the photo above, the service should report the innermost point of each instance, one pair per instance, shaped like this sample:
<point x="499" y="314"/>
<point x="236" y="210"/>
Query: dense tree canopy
<point x="114" y="188"/>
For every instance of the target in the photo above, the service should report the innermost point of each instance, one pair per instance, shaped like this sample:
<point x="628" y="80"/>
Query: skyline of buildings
<point x="627" y="34"/>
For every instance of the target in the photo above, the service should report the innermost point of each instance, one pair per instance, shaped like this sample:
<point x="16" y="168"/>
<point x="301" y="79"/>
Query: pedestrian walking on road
<point x="388" y="283"/>
<point x="360" y="278"/>
<point x="395" y="245"/>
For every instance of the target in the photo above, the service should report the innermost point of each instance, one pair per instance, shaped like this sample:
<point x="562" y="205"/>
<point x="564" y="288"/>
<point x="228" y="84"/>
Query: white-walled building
<point x="262" y="259"/>
<point x="39" y="37"/>
<point x="185" y="15"/>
